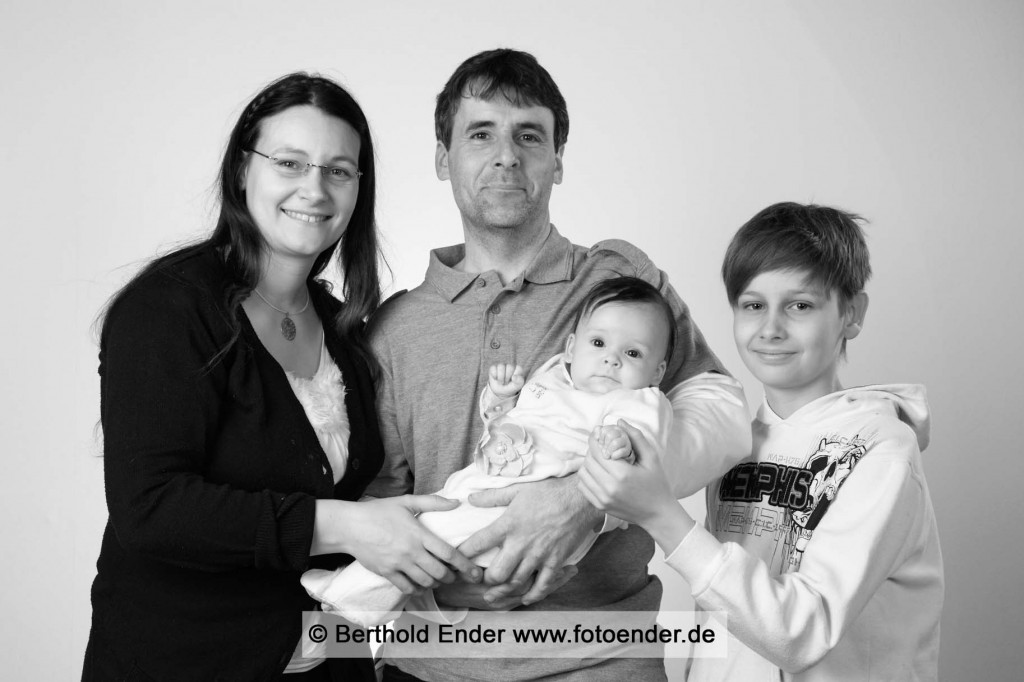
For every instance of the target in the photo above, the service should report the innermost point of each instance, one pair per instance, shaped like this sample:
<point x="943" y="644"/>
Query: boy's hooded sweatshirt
<point x="822" y="548"/>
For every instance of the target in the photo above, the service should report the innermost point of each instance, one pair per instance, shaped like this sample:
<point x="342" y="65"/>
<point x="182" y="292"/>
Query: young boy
<point x="821" y="547"/>
<point x="610" y="371"/>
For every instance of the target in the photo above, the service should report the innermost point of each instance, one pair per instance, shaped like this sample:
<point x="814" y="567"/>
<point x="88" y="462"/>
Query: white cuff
<point x="611" y="523"/>
<point x="697" y="558"/>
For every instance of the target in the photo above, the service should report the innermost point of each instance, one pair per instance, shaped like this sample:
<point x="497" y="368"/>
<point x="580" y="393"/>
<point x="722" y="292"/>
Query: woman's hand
<point x="635" y="492"/>
<point x="385" y="537"/>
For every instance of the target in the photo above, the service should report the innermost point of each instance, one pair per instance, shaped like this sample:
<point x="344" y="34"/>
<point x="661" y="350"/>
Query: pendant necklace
<point x="287" y="325"/>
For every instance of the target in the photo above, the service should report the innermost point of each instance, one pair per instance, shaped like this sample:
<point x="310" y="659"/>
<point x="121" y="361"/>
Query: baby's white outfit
<point x="544" y="435"/>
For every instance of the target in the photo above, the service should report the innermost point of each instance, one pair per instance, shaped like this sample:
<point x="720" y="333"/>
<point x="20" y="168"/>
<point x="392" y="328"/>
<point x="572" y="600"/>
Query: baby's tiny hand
<point x="614" y="443"/>
<point x="506" y="379"/>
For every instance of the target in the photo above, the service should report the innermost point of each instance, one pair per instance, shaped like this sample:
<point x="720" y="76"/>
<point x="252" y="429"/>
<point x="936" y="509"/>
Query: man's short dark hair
<point x="628" y="290"/>
<point x="512" y="74"/>
<point x="825" y="242"/>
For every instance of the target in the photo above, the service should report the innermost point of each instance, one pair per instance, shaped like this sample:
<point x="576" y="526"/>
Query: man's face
<point x="502" y="163"/>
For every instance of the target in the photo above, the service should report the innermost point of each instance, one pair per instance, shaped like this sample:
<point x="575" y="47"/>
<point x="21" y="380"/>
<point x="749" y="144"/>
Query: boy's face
<point x="790" y="333"/>
<point x="619" y="345"/>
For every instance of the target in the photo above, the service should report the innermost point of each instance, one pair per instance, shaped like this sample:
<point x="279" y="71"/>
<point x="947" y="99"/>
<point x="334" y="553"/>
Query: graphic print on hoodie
<point x="803" y="494"/>
<point x="790" y="487"/>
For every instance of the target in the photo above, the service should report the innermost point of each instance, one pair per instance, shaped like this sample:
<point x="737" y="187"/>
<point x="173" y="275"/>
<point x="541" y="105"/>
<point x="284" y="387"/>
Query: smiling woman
<point x="240" y="430"/>
<point x="300" y="214"/>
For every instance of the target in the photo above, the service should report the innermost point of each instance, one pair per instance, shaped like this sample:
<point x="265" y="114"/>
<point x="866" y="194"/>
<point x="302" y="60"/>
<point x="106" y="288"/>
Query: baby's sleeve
<point x="647" y="410"/>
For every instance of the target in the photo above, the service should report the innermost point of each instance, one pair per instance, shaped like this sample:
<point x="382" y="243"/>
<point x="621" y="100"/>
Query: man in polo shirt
<point x="508" y="295"/>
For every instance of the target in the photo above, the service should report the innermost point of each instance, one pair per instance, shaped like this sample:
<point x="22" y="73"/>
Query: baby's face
<point x="619" y="345"/>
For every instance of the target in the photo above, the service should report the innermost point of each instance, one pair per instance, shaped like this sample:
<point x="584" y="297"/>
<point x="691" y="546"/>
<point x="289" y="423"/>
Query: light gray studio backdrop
<point x="687" y="118"/>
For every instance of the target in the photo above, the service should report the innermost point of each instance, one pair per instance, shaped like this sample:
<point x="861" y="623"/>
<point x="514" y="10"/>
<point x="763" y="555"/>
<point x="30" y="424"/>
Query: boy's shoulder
<point x="890" y="419"/>
<point x="897" y="411"/>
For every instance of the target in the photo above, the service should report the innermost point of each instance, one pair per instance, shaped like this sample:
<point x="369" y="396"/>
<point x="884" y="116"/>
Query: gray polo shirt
<point x="436" y="344"/>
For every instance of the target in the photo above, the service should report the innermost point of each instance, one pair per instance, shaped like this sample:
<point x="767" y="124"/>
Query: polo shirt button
<point x="495" y="309"/>
<point x="481" y="283"/>
<point x="495" y="344"/>
<point x="355" y="464"/>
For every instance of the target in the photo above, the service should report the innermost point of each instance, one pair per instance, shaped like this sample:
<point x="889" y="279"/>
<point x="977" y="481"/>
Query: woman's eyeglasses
<point x="296" y="167"/>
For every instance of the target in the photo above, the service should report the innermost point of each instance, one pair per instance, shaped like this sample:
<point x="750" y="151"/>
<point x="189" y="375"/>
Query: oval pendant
<point x="287" y="328"/>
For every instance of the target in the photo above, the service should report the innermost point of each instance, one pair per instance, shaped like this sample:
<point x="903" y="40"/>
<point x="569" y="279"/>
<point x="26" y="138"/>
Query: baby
<point x="538" y="429"/>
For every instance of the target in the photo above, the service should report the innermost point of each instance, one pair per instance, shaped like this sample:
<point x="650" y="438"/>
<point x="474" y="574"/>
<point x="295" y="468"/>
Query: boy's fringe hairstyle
<point x="825" y="242"/>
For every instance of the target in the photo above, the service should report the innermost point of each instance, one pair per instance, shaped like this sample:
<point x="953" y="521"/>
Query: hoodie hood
<point x="906" y="402"/>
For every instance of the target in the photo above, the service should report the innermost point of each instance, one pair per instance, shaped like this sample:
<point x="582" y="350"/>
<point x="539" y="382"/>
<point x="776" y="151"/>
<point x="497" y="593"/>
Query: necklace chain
<point x="283" y="312"/>
<point x="287" y="325"/>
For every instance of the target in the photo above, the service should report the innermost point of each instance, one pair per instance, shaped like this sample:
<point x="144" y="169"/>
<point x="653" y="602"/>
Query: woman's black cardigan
<point x="211" y="475"/>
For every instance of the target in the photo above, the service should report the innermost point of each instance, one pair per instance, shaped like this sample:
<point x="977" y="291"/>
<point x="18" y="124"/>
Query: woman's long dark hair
<point x="239" y="240"/>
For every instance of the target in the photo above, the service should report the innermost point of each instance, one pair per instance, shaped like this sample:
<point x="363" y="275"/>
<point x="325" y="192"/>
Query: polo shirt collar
<point x="442" y="275"/>
<point x="553" y="263"/>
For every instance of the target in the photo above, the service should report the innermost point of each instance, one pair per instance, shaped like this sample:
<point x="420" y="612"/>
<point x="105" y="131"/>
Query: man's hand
<point x="475" y="596"/>
<point x="544" y="524"/>
<point x="505" y="380"/>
